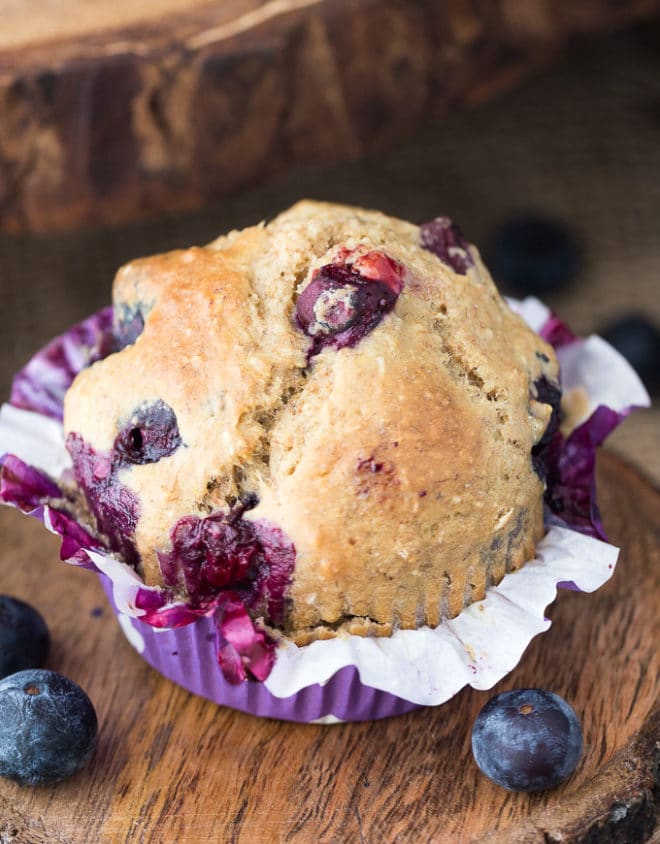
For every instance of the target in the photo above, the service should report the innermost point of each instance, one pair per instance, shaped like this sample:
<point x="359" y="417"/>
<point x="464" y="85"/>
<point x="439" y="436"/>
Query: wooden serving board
<point x="114" y="109"/>
<point x="171" y="767"/>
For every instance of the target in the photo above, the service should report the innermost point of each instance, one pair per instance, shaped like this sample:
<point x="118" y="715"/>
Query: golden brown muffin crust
<point x="399" y="468"/>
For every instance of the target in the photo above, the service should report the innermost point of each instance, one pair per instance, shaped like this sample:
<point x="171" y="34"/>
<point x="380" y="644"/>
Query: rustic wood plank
<point x="171" y="767"/>
<point x="128" y="109"/>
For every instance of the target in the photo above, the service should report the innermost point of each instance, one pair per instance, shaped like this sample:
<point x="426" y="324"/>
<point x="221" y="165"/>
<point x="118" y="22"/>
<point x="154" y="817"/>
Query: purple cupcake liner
<point x="184" y="654"/>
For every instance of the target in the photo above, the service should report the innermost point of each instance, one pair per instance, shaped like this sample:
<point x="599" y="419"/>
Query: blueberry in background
<point x="48" y="727"/>
<point x="638" y="340"/>
<point x="24" y="637"/>
<point x="527" y="740"/>
<point x="533" y="255"/>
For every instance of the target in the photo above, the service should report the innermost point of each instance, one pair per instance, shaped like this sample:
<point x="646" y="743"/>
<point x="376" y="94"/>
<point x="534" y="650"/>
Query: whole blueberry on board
<point x="638" y="340"/>
<point x="48" y="727"/>
<point x="533" y="256"/>
<point x="527" y="740"/>
<point x="24" y="637"/>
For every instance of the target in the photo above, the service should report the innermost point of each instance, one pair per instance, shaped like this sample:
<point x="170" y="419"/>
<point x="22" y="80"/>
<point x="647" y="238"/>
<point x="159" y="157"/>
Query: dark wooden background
<point x="114" y="110"/>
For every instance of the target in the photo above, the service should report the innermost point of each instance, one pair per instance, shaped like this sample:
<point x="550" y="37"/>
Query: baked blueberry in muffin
<point x="334" y="417"/>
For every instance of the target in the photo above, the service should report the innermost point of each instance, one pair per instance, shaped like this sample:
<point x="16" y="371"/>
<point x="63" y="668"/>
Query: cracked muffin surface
<point x="335" y="415"/>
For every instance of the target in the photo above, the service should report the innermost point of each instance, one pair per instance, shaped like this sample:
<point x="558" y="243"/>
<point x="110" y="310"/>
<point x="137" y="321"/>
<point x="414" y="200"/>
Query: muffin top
<point x="333" y="415"/>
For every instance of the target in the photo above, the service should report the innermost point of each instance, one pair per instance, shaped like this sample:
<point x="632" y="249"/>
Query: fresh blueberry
<point x="48" y="727"/>
<point x="24" y="637"/>
<point x="638" y="340"/>
<point x="533" y="256"/>
<point x="527" y="740"/>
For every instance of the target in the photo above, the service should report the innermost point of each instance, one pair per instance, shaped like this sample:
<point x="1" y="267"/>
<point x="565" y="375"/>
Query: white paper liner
<point x="34" y="438"/>
<point x="477" y="648"/>
<point x="426" y="666"/>
<point x="590" y="365"/>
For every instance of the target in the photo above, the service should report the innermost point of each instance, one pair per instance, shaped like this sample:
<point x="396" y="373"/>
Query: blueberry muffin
<point x="334" y="417"/>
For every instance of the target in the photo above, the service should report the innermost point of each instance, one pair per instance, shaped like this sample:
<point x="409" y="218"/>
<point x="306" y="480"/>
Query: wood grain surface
<point x="171" y="767"/>
<point x="113" y="110"/>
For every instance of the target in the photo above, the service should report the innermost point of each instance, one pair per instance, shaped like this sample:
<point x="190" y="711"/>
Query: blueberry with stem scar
<point x="527" y="740"/>
<point x="49" y="727"/>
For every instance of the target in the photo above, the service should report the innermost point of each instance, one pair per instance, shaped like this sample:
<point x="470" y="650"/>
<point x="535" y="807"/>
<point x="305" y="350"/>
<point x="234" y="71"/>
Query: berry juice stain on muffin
<point x="383" y="486"/>
<point x="223" y="549"/>
<point x="375" y="476"/>
<point x="115" y="507"/>
<point x="150" y="434"/>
